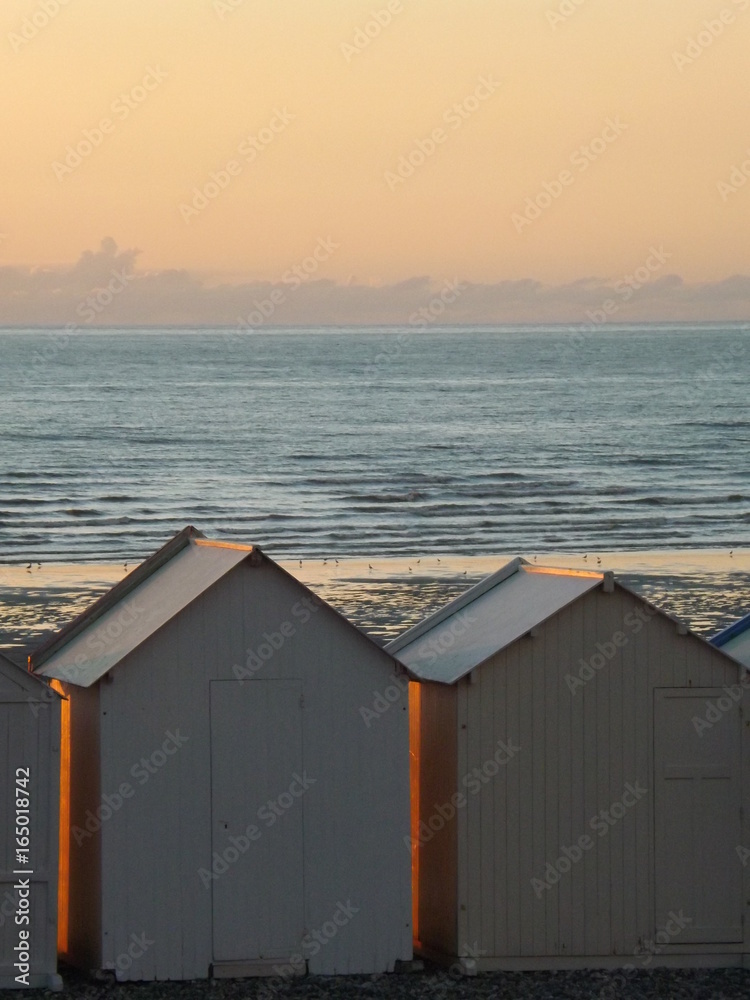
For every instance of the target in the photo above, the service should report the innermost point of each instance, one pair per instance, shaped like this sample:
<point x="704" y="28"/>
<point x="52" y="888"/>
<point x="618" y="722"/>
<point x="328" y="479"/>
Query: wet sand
<point x="707" y="589"/>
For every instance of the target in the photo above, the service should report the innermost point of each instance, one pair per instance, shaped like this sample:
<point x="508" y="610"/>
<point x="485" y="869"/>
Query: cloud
<point x="105" y="287"/>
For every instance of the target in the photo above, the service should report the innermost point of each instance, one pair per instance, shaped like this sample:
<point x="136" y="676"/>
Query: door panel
<point x="697" y="815"/>
<point x="256" y="751"/>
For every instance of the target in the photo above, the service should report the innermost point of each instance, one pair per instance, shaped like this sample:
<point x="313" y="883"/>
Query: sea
<point x="389" y="441"/>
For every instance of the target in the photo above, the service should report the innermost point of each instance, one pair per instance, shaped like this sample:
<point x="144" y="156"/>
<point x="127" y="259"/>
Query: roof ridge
<point x="457" y="604"/>
<point x="113" y="596"/>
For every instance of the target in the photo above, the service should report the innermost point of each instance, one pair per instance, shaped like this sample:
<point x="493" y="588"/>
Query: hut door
<point x="256" y="781"/>
<point x="697" y="813"/>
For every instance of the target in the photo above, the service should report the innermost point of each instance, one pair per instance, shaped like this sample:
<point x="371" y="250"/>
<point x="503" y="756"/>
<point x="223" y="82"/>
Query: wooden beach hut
<point x="581" y="766"/>
<point x="735" y="641"/>
<point x="29" y="810"/>
<point x="232" y="812"/>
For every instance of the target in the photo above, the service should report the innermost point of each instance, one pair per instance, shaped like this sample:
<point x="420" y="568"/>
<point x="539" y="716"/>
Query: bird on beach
<point x="300" y="562"/>
<point x="39" y="565"/>
<point x="336" y="561"/>
<point x="29" y="566"/>
<point x="585" y="558"/>
<point x="410" y="569"/>
<point x="598" y="561"/>
<point x="438" y="560"/>
<point x="369" y="565"/>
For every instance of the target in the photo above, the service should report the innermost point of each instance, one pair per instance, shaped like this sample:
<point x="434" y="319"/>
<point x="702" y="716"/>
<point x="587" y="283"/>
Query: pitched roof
<point x="134" y="609"/>
<point x="487" y="618"/>
<point x="735" y="640"/>
<point x="18" y="677"/>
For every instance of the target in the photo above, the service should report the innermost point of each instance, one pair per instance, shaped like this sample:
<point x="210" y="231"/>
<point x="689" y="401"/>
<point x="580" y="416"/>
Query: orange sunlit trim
<point x="551" y="571"/>
<point x="415" y="713"/>
<point x="209" y="543"/>
<point x="63" y="882"/>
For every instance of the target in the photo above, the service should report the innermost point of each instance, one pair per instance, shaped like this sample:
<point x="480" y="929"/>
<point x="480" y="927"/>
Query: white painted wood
<point x="697" y="782"/>
<point x="581" y="750"/>
<point x="258" y="903"/>
<point x="140" y="872"/>
<point x="29" y="739"/>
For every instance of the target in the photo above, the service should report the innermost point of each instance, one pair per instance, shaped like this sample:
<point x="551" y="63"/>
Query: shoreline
<point x="310" y="571"/>
<point x="706" y="588"/>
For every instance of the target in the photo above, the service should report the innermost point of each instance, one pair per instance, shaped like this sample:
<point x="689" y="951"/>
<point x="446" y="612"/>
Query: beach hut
<point x="234" y="811"/>
<point x="581" y="766"/>
<point x="29" y="820"/>
<point x="735" y="641"/>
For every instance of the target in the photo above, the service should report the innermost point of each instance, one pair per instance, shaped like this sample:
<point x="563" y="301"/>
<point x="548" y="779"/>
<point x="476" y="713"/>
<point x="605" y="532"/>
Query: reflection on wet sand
<point x="707" y="590"/>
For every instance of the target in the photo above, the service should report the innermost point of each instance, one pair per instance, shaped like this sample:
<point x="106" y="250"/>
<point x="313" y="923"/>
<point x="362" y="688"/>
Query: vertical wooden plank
<point x="514" y="884"/>
<point x="602" y="793"/>
<point x="463" y="854"/>
<point x="589" y="906"/>
<point x="475" y="761"/>
<point x="538" y="647"/>
<point x="569" y="770"/>
<point x="627" y="666"/>
<point x="500" y="799"/>
<point x="555" y="635"/>
<point x="526" y="869"/>
<point x="609" y="624"/>
<point x="485" y="686"/>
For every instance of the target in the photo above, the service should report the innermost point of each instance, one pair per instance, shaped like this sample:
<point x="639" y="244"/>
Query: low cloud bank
<point x="106" y="288"/>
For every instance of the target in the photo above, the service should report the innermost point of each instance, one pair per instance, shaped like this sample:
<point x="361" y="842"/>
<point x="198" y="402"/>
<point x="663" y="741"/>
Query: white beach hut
<point x="231" y="812"/>
<point x="582" y="767"/>
<point x="735" y="640"/>
<point x="29" y="815"/>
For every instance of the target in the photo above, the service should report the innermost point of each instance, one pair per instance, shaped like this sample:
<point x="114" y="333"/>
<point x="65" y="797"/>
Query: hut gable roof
<point x="735" y="640"/>
<point x="15" y="681"/>
<point x="487" y="618"/>
<point x="149" y="597"/>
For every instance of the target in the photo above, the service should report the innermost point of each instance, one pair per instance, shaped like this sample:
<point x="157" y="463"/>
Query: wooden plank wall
<point x="579" y="751"/>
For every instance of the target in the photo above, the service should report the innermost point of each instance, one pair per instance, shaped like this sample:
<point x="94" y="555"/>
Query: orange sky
<point x="493" y="100"/>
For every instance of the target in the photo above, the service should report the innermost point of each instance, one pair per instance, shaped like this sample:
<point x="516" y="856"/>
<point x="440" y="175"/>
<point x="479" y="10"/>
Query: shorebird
<point x="369" y="565"/>
<point x="731" y="553"/>
<point x="300" y="562"/>
<point x="438" y="560"/>
<point x="598" y="561"/>
<point x="39" y="565"/>
<point x="585" y="558"/>
<point x="336" y="561"/>
<point x="29" y="566"/>
<point x="410" y="569"/>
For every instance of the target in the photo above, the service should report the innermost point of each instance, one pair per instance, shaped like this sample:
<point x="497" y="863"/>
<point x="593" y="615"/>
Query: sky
<point x="397" y="161"/>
